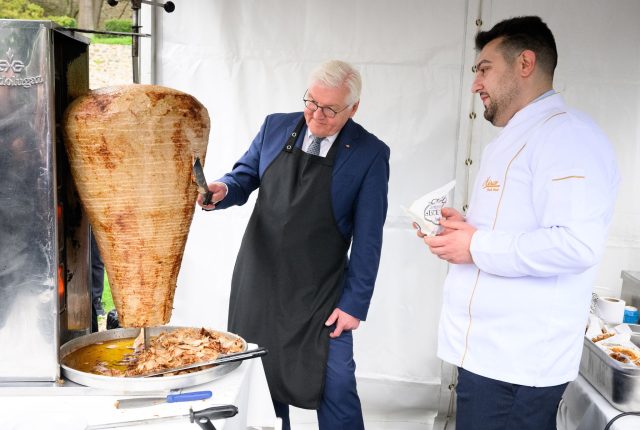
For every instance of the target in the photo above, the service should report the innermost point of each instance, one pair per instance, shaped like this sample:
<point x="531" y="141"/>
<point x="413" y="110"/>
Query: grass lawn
<point x="120" y="40"/>
<point x="107" y="300"/>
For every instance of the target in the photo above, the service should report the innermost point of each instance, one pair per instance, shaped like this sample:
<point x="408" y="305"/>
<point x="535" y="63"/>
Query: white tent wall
<point x="244" y="59"/>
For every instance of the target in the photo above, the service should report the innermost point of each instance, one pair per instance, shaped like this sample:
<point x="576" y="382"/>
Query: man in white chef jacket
<point x="523" y="262"/>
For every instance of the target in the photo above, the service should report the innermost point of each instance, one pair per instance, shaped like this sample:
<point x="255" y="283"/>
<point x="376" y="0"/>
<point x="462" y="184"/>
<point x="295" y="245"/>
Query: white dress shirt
<point x="542" y="203"/>
<point x="325" y="145"/>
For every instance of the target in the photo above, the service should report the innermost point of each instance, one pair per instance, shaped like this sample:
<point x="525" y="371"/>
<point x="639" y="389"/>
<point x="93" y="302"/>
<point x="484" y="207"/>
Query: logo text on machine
<point x="9" y="67"/>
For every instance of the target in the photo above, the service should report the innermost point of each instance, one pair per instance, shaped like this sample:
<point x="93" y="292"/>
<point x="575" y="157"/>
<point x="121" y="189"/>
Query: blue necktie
<point x="314" y="148"/>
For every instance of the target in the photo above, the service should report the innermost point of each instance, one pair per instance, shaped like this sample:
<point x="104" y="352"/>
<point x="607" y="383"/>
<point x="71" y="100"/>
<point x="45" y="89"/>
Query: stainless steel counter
<point x="630" y="288"/>
<point x="69" y="406"/>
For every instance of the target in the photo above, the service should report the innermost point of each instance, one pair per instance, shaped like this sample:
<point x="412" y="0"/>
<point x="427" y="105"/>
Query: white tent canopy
<point x="244" y="59"/>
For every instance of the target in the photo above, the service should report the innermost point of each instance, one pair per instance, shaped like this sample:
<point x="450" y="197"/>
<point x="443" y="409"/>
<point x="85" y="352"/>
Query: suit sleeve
<point x="574" y="184"/>
<point x="370" y="211"/>
<point x="245" y="176"/>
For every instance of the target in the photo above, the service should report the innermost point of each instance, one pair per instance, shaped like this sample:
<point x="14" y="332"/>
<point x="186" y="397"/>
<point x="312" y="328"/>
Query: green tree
<point x="89" y="13"/>
<point x="20" y="9"/>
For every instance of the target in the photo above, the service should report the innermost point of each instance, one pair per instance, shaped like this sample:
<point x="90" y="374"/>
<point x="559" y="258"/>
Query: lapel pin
<point x="347" y="146"/>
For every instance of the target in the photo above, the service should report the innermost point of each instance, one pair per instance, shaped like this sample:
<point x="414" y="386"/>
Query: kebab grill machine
<point x="45" y="271"/>
<point x="44" y="234"/>
<point x="45" y="240"/>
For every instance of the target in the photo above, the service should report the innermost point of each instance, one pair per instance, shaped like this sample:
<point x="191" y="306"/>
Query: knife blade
<point x="201" y="182"/>
<point x="202" y="418"/>
<point x="139" y="402"/>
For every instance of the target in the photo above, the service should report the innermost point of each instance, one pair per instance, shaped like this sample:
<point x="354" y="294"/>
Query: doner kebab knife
<point x="201" y="182"/>
<point x="202" y="418"/>
<point x="236" y="356"/>
<point x="138" y="402"/>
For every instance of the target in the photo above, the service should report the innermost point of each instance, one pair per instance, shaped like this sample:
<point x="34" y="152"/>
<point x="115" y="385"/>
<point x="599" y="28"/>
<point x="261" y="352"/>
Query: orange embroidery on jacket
<point x="568" y="177"/>
<point x="495" y="220"/>
<point x="491" y="184"/>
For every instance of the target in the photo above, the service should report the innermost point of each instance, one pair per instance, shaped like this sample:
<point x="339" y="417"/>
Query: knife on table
<point x="202" y="418"/>
<point x="201" y="182"/>
<point x="140" y="402"/>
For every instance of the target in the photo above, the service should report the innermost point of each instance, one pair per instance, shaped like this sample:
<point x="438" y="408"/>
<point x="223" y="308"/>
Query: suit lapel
<point x="349" y="142"/>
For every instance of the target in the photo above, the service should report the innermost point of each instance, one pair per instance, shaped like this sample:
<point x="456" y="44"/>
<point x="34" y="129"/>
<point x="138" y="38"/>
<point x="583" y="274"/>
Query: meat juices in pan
<point x="168" y="350"/>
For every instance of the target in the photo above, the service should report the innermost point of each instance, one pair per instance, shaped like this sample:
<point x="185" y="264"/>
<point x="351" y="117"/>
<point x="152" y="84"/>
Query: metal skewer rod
<point x="145" y="334"/>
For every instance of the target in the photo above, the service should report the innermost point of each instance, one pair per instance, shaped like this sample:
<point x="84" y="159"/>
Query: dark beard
<point x="490" y="113"/>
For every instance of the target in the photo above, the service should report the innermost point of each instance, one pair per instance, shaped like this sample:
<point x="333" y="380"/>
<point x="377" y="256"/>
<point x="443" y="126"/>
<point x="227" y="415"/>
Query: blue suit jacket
<point x="358" y="193"/>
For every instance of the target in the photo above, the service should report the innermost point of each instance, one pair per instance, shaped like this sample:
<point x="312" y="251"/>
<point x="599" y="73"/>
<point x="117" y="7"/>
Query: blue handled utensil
<point x="139" y="402"/>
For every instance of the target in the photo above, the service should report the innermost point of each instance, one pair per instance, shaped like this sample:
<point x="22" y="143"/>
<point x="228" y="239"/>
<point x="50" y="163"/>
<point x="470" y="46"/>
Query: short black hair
<point x="520" y="33"/>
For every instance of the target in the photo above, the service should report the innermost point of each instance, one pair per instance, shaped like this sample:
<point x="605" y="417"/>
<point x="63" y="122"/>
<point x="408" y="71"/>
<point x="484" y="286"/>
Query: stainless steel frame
<point x="44" y="237"/>
<point x="630" y="292"/>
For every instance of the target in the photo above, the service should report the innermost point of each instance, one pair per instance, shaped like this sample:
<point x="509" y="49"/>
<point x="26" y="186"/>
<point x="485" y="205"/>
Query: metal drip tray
<point x="136" y="384"/>
<point x="617" y="382"/>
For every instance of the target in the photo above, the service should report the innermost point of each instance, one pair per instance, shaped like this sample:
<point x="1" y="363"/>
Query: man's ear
<point x="354" y="108"/>
<point x="527" y="63"/>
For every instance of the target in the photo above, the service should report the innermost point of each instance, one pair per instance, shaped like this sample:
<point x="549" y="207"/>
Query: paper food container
<point x="426" y="211"/>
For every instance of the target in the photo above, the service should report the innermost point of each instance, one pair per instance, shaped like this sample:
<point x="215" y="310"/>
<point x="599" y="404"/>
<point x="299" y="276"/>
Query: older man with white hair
<point x="323" y="183"/>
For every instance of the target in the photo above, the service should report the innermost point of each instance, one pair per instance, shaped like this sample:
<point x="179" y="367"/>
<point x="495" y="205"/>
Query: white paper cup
<point x="610" y="309"/>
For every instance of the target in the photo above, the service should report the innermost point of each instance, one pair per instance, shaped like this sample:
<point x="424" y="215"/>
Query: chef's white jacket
<point x="542" y="203"/>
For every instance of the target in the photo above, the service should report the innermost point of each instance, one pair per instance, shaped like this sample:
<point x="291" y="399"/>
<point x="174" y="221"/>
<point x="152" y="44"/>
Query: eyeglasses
<point x="313" y="106"/>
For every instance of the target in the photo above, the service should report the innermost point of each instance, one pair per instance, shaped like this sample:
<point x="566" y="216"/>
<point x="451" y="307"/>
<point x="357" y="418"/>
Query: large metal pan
<point x="619" y="383"/>
<point x="139" y="384"/>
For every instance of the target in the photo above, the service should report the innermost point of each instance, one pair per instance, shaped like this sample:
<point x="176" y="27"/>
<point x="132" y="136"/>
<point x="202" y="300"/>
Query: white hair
<point x="335" y="74"/>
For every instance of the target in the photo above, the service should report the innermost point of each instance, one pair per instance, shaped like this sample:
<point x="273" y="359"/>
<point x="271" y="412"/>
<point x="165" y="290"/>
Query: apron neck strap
<point x="291" y="141"/>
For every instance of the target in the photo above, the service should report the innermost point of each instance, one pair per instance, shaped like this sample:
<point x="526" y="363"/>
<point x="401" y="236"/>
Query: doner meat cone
<point x="131" y="150"/>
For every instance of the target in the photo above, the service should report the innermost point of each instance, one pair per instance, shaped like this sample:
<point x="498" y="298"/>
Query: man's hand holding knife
<point x="218" y="192"/>
<point x="208" y="194"/>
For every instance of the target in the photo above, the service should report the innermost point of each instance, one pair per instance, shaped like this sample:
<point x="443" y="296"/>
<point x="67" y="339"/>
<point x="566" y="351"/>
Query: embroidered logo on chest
<point x="491" y="184"/>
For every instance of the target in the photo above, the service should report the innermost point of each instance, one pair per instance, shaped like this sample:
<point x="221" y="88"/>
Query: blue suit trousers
<point x="489" y="404"/>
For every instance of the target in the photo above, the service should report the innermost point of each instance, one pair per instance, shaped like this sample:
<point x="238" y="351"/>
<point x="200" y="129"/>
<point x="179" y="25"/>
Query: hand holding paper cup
<point x="426" y="211"/>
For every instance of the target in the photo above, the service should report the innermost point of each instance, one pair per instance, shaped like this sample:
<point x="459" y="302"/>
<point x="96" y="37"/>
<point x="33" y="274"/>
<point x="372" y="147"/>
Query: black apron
<point x="289" y="273"/>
